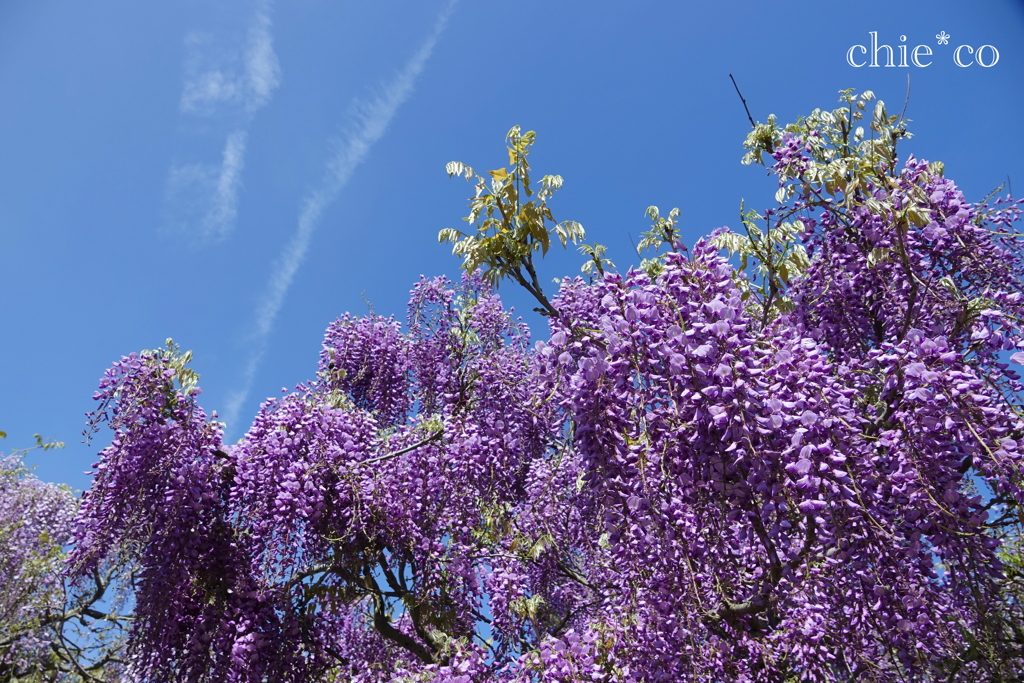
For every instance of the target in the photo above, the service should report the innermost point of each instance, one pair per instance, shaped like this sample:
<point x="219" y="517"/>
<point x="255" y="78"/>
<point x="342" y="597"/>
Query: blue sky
<point x="236" y="174"/>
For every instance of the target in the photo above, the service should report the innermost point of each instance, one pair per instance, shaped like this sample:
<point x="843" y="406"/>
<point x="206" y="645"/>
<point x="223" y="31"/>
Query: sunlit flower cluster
<point x="698" y="474"/>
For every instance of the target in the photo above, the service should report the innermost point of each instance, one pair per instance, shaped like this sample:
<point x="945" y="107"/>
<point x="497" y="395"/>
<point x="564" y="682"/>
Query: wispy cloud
<point x="262" y="70"/>
<point x="201" y="199"/>
<point x="371" y="120"/>
<point x="218" y="80"/>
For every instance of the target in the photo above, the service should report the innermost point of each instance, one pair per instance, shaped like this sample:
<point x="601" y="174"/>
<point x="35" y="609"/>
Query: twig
<point x="744" y="101"/>
<point x="402" y="451"/>
<point x="905" y="101"/>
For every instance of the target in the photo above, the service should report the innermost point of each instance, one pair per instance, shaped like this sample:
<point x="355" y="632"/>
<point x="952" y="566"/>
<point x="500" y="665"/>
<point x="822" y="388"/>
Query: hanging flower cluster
<point x="807" y="466"/>
<point x="35" y="521"/>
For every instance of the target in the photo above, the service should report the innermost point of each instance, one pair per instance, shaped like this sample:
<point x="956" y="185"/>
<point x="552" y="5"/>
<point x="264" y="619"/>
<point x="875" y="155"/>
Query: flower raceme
<point x="35" y="521"/>
<point x="806" y="467"/>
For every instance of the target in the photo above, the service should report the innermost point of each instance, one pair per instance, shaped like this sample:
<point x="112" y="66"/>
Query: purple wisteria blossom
<point x="35" y="521"/>
<point x="805" y="467"/>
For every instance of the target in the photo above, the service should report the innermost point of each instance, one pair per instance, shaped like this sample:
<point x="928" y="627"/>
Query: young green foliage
<point x="510" y="226"/>
<point x="663" y="232"/>
<point x="776" y="254"/>
<point x="597" y="262"/>
<point x="176" y="360"/>
<point x="837" y="162"/>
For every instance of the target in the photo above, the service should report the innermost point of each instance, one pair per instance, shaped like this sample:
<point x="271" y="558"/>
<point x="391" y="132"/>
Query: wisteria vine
<point x="801" y="464"/>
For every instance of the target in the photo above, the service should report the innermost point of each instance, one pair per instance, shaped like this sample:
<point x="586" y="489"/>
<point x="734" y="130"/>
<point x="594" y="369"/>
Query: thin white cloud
<point x="262" y="70"/>
<point x="224" y="208"/>
<point x="202" y="199"/>
<point x="209" y="87"/>
<point x="219" y="80"/>
<point x="371" y="121"/>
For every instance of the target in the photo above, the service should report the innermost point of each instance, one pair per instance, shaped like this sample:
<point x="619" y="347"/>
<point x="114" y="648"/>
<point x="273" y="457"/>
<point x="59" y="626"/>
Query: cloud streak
<point x="201" y="200"/>
<point x="204" y="197"/>
<point x="372" y="118"/>
<point x="262" y="70"/>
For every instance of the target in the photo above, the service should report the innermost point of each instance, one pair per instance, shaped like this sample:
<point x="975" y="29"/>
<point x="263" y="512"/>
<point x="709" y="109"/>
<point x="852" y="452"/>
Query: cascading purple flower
<point x="35" y="521"/>
<point x="680" y="483"/>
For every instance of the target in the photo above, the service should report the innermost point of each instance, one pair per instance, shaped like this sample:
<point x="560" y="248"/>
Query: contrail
<point x="372" y="120"/>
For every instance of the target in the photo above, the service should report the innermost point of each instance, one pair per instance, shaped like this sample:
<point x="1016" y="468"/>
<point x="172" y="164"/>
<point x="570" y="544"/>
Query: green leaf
<point x="917" y="216"/>
<point x="458" y="168"/>
<point x="878" y="255"/>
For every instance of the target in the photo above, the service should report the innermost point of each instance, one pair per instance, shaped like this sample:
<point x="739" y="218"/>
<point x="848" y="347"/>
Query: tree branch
<point x="402" y="451"/>
<point x="744" y="101"/>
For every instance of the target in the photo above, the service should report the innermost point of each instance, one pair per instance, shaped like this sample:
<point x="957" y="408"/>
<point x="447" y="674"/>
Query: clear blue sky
<point x="236" y="174"/>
